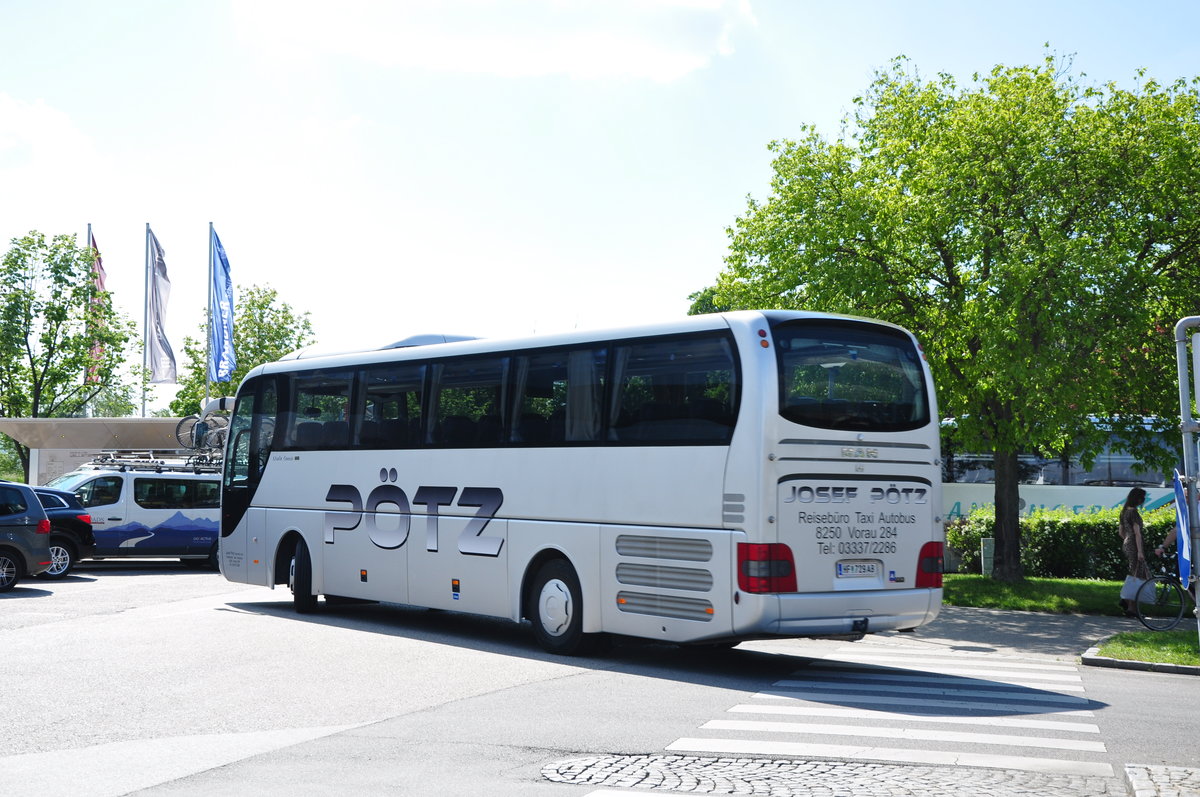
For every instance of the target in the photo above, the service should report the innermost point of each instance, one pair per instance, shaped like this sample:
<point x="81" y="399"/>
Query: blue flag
<point x="1183" y="531"/>
<point x="221" y="360"/>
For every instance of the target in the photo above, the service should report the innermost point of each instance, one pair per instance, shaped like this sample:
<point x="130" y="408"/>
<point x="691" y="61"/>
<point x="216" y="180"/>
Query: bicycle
<point x="1161" y="600"/>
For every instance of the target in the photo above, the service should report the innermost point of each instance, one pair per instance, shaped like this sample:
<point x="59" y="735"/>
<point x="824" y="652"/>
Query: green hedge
<point x="1059" y="543"/>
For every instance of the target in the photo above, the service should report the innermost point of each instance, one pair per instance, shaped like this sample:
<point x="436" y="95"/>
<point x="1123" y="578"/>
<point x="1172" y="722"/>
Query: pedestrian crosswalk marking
<point x="1027" y="693"/>
<point x="925" y="676"/>
<point x="882" y="700"/>
<point x="955" y="669"/>
<point x="915" y="734"/>
<point x="868" y="656"/>
<point x="962" y="702"/>
<point x="868" y="714"/>
<point x="874" y="646"/>
<point x="905" y="755"/>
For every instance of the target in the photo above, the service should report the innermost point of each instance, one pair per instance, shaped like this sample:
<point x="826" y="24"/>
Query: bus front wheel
<point x="300" y="580"/>
<point x="556" y="609"/>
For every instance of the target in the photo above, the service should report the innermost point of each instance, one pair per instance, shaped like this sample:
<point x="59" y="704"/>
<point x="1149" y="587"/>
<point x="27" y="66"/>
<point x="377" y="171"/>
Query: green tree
<point x="1035" y="232"/>
<point x="61" y="341"/>
<point x="705" y="301"/>
<point x="264" y="330"/>
<point x="10" y="461"/>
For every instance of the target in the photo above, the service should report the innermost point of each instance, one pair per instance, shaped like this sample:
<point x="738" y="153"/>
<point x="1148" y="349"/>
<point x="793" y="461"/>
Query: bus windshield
<point x="843" y="375"/>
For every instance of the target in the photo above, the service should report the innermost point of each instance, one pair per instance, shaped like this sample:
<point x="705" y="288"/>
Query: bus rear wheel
<point x="556" y="609"/>
<point x="300" y="580"/>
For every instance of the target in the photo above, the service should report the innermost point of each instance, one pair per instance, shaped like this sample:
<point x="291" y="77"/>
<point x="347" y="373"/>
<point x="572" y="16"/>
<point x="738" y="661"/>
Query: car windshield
<point x="68" y="481"/>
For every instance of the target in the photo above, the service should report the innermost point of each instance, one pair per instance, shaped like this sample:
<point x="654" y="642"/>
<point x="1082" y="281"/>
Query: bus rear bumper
<point x="848" y="614"/>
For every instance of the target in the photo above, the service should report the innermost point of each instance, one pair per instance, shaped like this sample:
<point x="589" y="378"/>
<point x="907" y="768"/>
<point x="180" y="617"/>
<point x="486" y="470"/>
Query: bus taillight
<point x="766" y="567"/>
<point x="930" y="565"/>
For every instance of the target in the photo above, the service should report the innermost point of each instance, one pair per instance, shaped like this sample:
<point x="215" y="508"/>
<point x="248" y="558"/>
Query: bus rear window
<point x="850" y="376"/>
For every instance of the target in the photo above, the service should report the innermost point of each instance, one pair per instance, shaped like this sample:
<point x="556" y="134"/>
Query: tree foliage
<point x="1036" y="233"/>
<point x="264" y="330"/>
<point x="61" y="341"/>
<point x="704" y="301"/>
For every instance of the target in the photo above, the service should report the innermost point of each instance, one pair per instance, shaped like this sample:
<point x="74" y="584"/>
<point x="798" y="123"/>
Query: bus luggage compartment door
<point x="670" y="584"/>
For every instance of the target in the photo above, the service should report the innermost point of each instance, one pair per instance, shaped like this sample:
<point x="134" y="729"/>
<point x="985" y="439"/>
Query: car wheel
<point x="62" y="558"/>
<point x="10" y="571"/>
<point x="300" y="580"/>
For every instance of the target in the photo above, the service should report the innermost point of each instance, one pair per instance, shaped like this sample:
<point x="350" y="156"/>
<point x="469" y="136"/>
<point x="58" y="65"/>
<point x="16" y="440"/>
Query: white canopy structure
<point x="58" y="445"/>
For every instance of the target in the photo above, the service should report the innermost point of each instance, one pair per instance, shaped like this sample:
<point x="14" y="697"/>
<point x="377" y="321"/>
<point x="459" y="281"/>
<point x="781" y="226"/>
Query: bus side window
<point x="677" y="391"/>
<point x="469" y="402"/>
<point x="318" y="406"/>
<point x="390" y="399"/>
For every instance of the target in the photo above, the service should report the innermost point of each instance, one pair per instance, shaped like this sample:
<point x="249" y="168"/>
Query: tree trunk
<point x="23" y="456"/>
<point x="1006" y="564"/>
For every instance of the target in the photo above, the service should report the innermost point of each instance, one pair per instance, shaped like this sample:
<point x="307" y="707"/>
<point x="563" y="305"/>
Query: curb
<point x="1092" y="658"/>
<point x="1148" y="780"/>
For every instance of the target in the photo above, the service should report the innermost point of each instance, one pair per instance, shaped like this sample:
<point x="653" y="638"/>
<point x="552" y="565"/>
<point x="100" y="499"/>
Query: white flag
<point x="162" y="359"/>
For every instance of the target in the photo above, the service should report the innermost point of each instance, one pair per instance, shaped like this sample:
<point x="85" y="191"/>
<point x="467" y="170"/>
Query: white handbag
<point x="1129" y="589"/>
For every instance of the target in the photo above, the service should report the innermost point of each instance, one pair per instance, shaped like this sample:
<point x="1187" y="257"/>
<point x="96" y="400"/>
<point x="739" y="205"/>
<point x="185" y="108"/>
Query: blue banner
<point x="221" y="360"/>
<point x="1183" y="531"/>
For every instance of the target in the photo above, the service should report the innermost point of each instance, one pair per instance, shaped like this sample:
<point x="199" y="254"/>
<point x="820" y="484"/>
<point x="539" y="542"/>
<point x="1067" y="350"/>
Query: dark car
<point x="71" y="537"/>
<point x="24" y="535"/>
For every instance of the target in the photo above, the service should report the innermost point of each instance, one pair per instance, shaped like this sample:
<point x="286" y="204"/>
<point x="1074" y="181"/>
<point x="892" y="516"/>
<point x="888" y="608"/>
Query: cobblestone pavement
<point x="791" y="778"/>
<point x="1159" y="781"/>
<point x="788" y="778"/>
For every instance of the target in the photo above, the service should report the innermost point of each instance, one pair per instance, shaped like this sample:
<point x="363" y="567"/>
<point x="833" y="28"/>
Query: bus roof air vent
<point x="427" y="340"/>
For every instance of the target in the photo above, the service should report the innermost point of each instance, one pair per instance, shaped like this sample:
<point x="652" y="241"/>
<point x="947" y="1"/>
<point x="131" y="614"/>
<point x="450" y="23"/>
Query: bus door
<point x="248" y="450"/>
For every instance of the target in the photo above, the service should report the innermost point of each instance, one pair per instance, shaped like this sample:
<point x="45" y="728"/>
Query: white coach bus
<point x="721" y="478"/>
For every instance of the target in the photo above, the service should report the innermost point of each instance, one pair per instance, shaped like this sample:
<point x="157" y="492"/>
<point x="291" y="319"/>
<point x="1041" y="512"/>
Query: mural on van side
<point x="175" y="536"/>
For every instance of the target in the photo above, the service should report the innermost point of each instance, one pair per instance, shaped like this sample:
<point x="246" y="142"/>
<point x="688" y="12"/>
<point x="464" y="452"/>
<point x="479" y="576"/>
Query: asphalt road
<point x="155" y="679"/>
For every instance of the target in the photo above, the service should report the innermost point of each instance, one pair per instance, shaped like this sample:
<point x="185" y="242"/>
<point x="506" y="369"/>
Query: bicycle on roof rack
<point x="1162" y="599"/>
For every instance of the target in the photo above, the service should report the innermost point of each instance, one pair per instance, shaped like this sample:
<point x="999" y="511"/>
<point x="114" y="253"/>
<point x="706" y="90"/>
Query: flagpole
<point x="146" y="323"/>
<point x="208" y="348"/>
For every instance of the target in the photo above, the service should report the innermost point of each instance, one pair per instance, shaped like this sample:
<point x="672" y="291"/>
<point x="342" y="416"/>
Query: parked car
<point x="149" y="508"/>
<point x="71" y="537"/>
<point x="24" y="535"/>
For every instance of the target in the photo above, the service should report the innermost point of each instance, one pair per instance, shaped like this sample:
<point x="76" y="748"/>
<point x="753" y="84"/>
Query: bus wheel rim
<point x="555" y="607"/>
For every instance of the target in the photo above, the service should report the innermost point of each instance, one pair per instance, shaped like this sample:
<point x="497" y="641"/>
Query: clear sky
<point x="485" y="167"/>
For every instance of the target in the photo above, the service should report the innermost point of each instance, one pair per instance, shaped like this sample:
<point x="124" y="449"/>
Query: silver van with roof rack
<point x="143" y="508"/>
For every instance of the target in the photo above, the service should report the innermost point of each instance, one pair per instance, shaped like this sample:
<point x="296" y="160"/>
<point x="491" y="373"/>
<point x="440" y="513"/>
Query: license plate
<point x="853" y="569"/>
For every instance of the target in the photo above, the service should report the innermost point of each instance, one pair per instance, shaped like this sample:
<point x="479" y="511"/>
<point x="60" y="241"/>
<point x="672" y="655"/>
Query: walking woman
<point x="1132" y="533"/>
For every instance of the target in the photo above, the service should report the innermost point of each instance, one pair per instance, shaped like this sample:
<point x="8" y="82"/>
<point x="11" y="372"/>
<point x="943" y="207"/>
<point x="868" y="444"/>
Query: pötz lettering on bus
<point x="471" y="541"/>
<point x="823" y="494"/>
<point x="900" y="495"/>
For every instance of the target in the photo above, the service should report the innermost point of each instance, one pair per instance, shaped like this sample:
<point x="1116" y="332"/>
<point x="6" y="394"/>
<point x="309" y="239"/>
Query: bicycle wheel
<point x="1160" y="603"/>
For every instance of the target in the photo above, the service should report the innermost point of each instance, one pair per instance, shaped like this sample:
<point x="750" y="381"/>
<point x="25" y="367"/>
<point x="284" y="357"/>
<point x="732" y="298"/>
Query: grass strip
<point x="1160" y="647"/>
<point x="1053" y="595"/>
